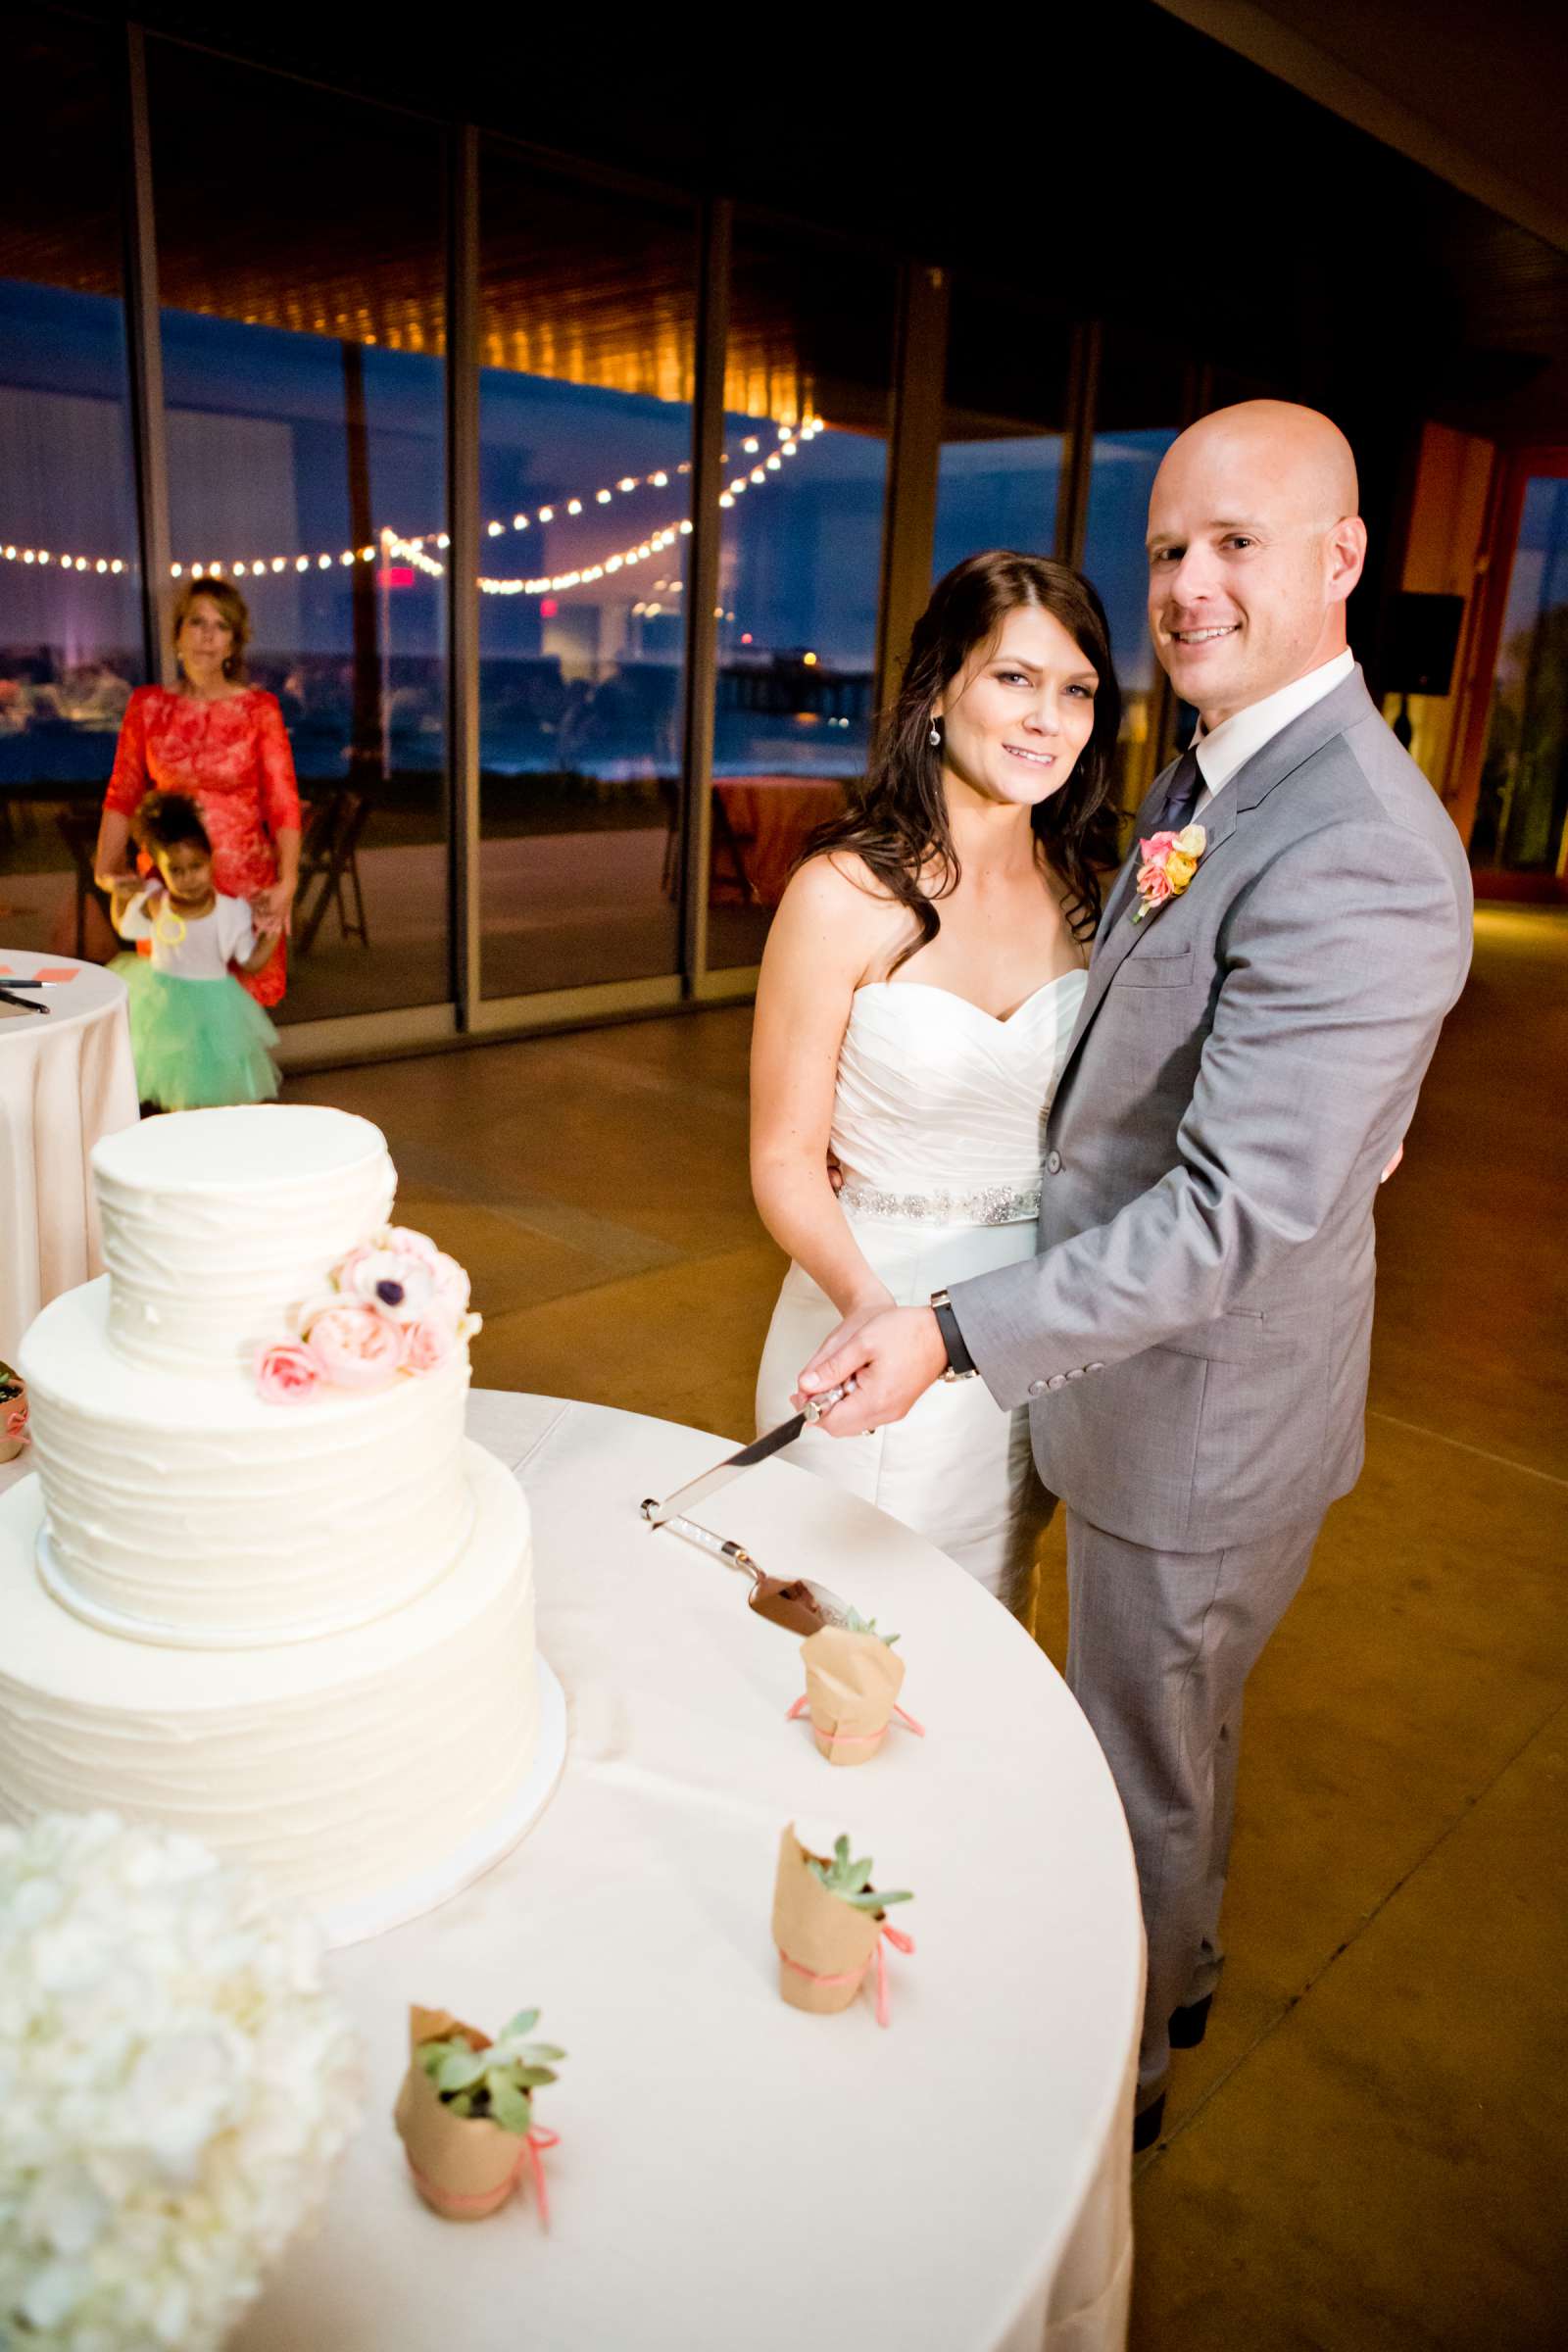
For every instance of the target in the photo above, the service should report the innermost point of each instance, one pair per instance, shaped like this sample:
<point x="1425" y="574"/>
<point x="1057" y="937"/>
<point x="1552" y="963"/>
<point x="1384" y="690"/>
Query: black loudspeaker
<point x="1423" y="641"/>
<point x="1422" y="644"/>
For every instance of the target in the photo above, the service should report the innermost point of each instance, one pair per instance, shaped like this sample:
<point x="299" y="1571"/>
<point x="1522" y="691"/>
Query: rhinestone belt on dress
<point x="989" y="1204"/>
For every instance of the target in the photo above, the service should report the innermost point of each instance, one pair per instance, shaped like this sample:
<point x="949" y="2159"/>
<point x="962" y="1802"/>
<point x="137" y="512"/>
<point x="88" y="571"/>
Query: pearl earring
<point x="935" y="736"/>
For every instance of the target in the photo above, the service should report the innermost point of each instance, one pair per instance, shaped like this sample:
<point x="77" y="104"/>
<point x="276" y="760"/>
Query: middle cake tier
<point x="189" y="1512"/>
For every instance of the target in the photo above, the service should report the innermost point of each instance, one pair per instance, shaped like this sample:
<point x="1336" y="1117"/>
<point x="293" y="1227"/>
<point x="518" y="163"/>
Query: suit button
<point x="1037" y="1388"/>
<point x="1058" y="1380"/>
<point x="1053" y="1162"/>
<point x="1093" y="1367"/>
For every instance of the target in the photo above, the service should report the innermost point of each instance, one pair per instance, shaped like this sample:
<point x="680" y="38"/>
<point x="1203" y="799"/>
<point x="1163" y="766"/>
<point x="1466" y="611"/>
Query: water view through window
<point x="809" y="401"/>
<point x="586" y="350"/>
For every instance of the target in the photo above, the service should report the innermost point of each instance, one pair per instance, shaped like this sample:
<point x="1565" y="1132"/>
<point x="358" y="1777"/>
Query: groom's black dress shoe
<point x="1188" y="2025"/>
<point x="1148" y="2125"/>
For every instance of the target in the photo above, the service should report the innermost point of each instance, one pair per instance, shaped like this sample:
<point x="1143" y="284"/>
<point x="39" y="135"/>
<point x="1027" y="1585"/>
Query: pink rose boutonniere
<point x="1168" y="862"/>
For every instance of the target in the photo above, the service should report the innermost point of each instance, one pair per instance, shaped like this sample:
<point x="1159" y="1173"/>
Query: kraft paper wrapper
<point x="852" y="1681"/>
<point x="819" y="1930"/>
<point x="458" y="2156"/>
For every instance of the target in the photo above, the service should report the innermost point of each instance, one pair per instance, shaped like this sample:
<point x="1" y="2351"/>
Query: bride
<point x="916" y="999"/>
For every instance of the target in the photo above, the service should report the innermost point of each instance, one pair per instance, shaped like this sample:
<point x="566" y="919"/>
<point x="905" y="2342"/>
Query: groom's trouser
<point x="1160" y="1644"/>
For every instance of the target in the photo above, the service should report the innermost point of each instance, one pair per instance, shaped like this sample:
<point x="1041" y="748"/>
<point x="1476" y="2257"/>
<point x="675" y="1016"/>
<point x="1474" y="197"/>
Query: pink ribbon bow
<point x="857" y="1738"/>
<point x="527" y="2157"/>
<point x="845" y="1976"/>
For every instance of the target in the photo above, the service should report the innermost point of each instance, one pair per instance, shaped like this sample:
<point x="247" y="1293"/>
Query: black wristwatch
<point x="961" y="1363"/>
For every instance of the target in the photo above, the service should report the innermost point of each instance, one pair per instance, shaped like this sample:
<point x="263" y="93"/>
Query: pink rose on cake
<point x="412" y="1243"/>
<point x="451" y="1283"/>
<point x="435" y="1338"/>
<point x="286" y="1373"/>
<point x="356" y="1347"/>
<point x="431" y="1342"/>
<point x="397" y="1304"/>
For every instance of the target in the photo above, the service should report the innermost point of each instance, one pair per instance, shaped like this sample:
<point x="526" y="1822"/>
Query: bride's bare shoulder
<point x="841" y="881"/>
<point x="836" y="905"/>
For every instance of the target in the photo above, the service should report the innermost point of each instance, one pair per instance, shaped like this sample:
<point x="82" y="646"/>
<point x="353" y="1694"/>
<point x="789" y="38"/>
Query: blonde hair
<point x="232" y="606"/>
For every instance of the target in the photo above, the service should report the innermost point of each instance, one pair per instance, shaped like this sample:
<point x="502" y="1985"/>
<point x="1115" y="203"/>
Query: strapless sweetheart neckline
<point x="997" y="1020"/>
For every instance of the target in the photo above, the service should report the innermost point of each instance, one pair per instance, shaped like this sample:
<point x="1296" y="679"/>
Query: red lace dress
<point x="232" y="757"/>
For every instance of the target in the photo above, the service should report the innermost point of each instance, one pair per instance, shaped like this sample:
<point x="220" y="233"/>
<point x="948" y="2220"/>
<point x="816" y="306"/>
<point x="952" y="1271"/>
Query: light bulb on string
<point x="791" y="439"/>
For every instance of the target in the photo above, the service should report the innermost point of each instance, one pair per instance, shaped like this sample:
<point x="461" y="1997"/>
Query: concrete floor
<point x="1366" y="2151"/>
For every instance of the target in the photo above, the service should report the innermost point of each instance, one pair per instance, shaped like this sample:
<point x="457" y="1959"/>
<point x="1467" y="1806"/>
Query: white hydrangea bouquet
<point x="176" y="2084"/>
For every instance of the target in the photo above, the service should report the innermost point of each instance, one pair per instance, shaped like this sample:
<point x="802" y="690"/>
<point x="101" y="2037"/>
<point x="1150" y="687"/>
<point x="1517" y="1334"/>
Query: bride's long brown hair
<point x="898" y="827"/>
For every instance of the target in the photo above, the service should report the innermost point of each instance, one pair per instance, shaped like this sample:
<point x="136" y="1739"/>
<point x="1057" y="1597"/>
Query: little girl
<point x="197" y="1038"/>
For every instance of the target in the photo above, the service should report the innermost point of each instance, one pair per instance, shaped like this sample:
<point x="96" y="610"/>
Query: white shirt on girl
<point x="210" y="944"/>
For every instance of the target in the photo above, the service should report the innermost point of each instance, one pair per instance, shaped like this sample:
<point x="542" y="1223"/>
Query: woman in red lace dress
<point x="223" y="743"/>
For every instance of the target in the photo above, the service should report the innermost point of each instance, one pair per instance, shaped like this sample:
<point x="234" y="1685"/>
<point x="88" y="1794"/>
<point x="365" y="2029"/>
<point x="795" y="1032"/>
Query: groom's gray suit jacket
<point x="1193" y="1335"/>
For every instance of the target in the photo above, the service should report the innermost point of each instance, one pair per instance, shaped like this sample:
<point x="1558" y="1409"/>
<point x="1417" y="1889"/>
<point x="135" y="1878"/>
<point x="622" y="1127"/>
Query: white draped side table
<point x="66" y="1079"/>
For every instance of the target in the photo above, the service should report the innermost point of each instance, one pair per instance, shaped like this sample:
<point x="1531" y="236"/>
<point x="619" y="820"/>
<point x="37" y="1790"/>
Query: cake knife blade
<point x="696" y="1489"/>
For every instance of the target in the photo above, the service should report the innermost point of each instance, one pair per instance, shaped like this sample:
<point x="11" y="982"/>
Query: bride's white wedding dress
<point x="938" y="1120"/>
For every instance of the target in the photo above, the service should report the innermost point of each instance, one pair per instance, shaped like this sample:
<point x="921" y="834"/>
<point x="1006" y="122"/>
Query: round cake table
<point x="66" y="1078"/>
<point x="733" y="2174"/>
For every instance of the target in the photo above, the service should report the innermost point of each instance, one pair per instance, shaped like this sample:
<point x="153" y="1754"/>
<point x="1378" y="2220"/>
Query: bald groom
<point x="1194" y="1333"/>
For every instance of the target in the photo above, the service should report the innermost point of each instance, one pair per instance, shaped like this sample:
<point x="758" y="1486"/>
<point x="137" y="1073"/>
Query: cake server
<point x="696" y="1489"/>
<point x="796" y="1603"/>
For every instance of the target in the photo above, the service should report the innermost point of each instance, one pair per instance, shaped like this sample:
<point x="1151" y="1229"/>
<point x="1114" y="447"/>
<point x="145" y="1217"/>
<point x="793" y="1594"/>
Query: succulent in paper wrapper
<point x="826" y="1922"/>
<point x="465" y="2109"/>
<point x="852" y="1683"/>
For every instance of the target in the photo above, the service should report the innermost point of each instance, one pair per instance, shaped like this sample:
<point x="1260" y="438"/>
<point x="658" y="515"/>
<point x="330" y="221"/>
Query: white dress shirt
<point x="1235" y="741"/>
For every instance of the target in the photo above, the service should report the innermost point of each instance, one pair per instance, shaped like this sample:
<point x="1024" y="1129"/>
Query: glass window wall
<point x="807" y="416"/>
<point x="1138" y="412"/>
<point x="1521" y="822"/>
<point x="1002" y="427"/>
<point x="587" y="321"/>
<point x="302" y="340"/>
<point x="70" y="627"/>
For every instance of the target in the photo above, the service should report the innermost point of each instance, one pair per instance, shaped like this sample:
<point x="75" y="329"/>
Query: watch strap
<point x="961" y="1363"/>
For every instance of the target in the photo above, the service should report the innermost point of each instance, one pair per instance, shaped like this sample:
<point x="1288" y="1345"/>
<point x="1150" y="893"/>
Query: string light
<point x="414" y="551"/>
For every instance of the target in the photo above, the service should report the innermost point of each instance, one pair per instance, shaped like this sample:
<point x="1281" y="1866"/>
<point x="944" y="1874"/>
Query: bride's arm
<point x="823" y="937"/>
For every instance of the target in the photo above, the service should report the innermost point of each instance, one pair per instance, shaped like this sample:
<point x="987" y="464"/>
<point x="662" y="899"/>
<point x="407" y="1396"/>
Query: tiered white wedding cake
<point x="290" y="1611"/>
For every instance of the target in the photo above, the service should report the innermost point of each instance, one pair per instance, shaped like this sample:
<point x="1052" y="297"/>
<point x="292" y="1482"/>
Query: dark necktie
<point x="1181" y="795"/>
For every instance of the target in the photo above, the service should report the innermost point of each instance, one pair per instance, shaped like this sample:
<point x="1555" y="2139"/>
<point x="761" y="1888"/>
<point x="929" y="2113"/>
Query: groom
<point x="1262" y="1002"/>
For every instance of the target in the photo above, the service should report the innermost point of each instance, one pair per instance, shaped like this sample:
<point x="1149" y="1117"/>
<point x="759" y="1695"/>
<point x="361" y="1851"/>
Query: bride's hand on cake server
<point x="892" y="1358"/>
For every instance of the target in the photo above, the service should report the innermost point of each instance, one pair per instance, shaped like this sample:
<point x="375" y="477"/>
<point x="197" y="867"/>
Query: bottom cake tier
<point x="366" y="1774"/>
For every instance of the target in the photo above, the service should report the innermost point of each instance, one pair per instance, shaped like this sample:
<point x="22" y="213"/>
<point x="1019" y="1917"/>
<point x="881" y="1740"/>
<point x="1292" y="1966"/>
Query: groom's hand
<point x="894" y="1359"/>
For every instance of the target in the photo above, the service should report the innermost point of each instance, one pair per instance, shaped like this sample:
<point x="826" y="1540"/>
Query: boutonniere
<point x="1169" y="860"/>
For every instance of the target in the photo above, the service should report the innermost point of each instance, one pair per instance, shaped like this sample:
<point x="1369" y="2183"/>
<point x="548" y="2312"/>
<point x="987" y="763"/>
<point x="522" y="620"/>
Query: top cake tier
<point x="217" y="1223"/>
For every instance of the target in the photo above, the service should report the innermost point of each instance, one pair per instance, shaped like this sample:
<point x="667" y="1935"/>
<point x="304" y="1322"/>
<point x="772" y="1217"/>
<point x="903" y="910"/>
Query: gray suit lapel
<point x="1118" y="935"/>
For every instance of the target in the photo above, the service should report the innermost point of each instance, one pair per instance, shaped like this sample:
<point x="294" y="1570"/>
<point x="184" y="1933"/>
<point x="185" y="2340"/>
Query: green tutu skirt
<point x="197" y="1042"/>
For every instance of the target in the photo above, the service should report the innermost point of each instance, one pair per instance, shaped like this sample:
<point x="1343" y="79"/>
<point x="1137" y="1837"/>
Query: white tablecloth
<point x="64" y="1081"/>
<point x="733" y="2174"/>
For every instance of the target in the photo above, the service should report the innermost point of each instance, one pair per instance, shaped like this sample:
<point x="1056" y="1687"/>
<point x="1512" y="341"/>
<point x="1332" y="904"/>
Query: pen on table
<point x="25" y="1004"/>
